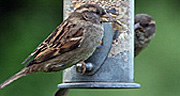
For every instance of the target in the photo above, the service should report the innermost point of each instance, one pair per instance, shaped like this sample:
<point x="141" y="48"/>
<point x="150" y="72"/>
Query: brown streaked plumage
<point x="74" y="40"/>
<point x="144" y="31"/>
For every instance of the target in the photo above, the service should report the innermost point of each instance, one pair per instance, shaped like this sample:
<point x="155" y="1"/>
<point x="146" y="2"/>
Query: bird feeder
<point x="112" y="65"/>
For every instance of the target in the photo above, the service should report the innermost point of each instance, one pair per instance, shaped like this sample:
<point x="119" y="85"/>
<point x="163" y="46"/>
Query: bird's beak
<point x="107" y="18"/>
<point x="137" y="26"/>
<point x="152" y="22"/>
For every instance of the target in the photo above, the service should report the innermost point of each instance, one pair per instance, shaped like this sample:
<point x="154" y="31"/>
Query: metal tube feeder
<point x="111" y="66"/>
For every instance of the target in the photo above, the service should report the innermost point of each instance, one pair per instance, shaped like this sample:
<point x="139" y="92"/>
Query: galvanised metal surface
<point x="109" y="71"/>
<point x="99" y="85"/>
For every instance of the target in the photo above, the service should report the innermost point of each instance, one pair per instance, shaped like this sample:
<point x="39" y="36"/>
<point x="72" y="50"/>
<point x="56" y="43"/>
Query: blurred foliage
<point x="26" y="23"/>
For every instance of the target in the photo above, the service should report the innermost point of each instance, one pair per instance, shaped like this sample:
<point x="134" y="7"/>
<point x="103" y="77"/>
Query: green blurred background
<point x="26" y="23"/>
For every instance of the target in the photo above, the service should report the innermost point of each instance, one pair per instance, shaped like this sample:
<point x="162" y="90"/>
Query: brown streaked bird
<point x="73" y="41"/>
<point x="144" y="31"/>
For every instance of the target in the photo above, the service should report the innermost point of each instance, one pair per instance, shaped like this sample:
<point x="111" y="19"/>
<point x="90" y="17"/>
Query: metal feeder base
<point x="99" y="85"/>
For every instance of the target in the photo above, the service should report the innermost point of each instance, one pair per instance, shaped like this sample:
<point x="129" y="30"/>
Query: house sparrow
<point x="144" y="31"/>
<point x="73" y="41"/>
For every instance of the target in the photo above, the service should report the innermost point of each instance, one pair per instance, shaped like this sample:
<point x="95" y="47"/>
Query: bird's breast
<point x="93" y="35"/>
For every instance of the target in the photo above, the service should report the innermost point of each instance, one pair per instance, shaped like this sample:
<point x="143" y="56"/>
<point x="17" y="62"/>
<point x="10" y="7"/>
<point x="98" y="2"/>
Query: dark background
<point x="26" y="23"/>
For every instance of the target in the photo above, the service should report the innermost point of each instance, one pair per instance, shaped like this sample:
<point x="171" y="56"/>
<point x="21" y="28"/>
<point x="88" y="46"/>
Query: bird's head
<point x="91" y="8"/>
<point x="144" y="23"/>
<point x="92" y="12"/>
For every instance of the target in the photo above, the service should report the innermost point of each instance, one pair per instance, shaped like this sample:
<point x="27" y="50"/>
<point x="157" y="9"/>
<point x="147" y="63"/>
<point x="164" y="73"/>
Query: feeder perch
<point x="111" y="66"/>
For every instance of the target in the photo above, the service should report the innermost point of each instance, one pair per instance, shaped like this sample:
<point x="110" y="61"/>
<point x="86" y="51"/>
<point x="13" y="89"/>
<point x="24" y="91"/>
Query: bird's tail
<point x="20" y="74"/>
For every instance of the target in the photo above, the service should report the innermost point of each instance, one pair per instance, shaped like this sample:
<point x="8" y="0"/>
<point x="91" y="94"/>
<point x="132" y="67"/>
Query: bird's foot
<point x="100" y="45"/>
<point x="81" y="67"/>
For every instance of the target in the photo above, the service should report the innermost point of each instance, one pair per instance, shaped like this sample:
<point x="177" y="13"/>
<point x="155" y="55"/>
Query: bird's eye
<point x="145" y="25"/>
<point x="97" y="12"/>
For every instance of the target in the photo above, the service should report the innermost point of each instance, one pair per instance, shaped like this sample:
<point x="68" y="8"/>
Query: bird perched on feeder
<point x="144" y="31"/>
<point x="73" y="41"/>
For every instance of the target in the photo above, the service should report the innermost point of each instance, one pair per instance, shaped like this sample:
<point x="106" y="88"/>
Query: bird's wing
<point x="65" y="37"/>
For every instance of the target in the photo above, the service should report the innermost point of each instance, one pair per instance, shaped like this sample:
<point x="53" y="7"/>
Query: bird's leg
<point x="81" y="67"/>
